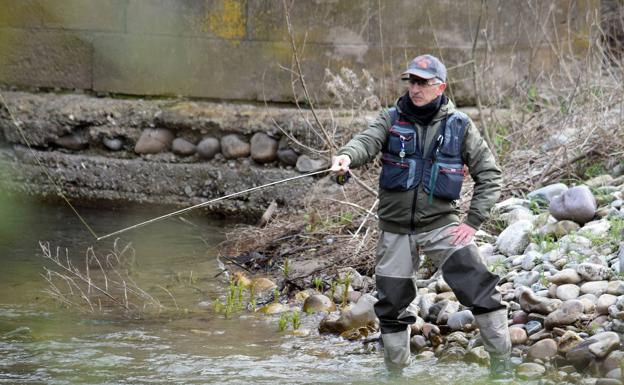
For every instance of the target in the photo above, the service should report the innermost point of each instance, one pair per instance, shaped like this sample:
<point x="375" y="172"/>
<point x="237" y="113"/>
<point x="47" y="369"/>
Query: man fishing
<point x="425" y="145"/>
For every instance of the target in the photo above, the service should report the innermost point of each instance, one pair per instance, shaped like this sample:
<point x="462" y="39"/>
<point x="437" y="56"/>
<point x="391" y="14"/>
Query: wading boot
<point x="500" y="369"/>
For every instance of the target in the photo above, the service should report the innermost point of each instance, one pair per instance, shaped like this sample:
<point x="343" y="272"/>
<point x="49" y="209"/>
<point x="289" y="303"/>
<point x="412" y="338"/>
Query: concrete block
<point x="225" y="19"/>
<point x="213" y="68"/>
<point x="97" y="15"/>
<point x="45" y="58"/>
<point x="342" y="22"/>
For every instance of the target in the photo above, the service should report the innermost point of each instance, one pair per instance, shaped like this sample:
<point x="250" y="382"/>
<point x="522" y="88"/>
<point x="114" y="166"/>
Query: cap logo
<point x="423" y="62"/>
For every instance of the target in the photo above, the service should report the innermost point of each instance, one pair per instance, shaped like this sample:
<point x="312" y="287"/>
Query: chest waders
<point x="441" y="172"/>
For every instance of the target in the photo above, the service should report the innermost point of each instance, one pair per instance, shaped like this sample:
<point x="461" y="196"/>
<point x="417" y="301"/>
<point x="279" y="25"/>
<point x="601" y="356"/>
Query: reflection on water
<point x="41" y="343"/>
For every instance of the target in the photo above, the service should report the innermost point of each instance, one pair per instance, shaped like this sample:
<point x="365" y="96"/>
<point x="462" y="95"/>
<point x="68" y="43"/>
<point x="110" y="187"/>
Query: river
<point x="44" y="343"/>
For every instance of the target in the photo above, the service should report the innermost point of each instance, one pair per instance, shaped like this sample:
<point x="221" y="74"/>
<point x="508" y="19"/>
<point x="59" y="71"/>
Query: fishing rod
<point x="209" y="202"/>
<point x="341" y="179"/>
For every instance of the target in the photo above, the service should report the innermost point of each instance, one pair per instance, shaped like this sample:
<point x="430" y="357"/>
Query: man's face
<point x="423" y="91"/>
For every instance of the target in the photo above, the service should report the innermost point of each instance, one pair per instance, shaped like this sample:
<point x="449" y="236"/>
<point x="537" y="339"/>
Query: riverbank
<point x="558" y="254"/>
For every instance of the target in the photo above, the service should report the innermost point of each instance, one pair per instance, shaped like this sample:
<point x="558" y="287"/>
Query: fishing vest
<point x="441" y="170"/>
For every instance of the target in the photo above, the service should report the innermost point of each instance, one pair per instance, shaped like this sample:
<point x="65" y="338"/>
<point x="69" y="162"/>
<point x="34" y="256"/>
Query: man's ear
<point x="441" y="88"/>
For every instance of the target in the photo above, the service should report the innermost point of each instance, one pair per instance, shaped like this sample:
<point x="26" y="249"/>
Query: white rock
<point x="515" y="238"/>
<point x="595" y="287"/>
<point x="567" y="291"/>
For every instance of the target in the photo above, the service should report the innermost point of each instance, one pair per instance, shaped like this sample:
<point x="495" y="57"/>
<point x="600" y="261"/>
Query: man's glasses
<point x="421" y="82"/>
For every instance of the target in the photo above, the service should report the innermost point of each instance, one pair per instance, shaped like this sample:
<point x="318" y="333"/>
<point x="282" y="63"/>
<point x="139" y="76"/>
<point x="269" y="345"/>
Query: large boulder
<point x="515" y="238"/>
<point x="576" y="204"/>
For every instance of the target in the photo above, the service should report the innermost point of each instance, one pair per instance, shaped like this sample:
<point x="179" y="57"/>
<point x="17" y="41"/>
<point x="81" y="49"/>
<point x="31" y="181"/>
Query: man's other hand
<point x="340" y="164"/>
<point x="463" y="234"/>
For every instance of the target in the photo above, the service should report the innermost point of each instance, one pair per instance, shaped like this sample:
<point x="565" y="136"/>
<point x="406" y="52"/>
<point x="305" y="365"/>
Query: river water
<point x="44" y="343"/>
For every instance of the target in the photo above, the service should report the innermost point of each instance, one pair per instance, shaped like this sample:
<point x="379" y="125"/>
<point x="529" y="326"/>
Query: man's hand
<point x="340" y="164"/>
<point x="462" y="234"/>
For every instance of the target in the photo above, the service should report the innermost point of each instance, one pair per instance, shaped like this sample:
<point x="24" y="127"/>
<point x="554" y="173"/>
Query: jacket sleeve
<point x="485" y="173"/>
<point x="363" y="147"/>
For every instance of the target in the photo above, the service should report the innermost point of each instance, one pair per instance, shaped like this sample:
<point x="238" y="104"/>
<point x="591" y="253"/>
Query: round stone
<point x="263" y="148"/>
<point x="518" y="335"/>
<point x="113" y="144"/>
<point x="233" y="146"/>
<point x="153" y="141"/>
<point x="568" y="291"/>
<point x="182" y="147"/>
<point x="318" y="303"/>
<point x="288" y="156"/>
<point x="545" y="350"/>
<point x="207" y="148"/>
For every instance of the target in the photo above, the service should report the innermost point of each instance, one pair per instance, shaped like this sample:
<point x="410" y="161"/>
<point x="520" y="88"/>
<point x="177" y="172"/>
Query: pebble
<point x="417" y="343"/>
<point x="605" y="343"/>
<point x="530" y="370"/>
<point x="596" y="288"/>
<point x="593" y="272"/>
<point x="287" y="156"/>
<point x="518" y="335"/>
<point x="263" y="148"/>
<point x="531" y="303"/>
<point x="532" y="327"/>
<point x="569" y="312"/>
<point x="233" y="146"/>
<point x="318" y="303"/>
<point x="181" y="146"/>
<point x="603" y="303"/>
<point x="460" y="320"/>
<point x="153" y="141"/>
<point x="616" y="288"/>
<point x="208" y="147"/>
<point x="545" y="349"/>
<point x="113" y="144"/>
<point x="567" y="291"/>
<point x="568" y="341"/>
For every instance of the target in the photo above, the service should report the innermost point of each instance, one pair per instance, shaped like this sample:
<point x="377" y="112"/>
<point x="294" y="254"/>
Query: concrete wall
<point x="234" y="49"/>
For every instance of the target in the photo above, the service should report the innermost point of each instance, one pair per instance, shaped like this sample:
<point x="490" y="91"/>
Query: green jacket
<point x="405" y="212"/>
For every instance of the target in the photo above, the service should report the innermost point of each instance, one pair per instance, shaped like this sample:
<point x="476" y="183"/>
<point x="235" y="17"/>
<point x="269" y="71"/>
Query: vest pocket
<point x="444" y="180"/>
<point x="401" y="140"/>
<point x="397" y="174"/>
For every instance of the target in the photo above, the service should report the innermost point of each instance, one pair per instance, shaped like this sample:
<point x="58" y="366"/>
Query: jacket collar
<point x="445" y="110"/>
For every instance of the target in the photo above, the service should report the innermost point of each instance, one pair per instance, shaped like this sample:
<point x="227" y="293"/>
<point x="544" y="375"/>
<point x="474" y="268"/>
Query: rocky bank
<point x="560" y="256"/>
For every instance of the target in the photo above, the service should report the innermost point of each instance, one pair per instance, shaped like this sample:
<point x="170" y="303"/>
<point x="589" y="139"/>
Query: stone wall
<point x="165" y="151"/>
<point x="235" y="49"/>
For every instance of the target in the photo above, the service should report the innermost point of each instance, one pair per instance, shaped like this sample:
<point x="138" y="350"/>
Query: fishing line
<point x="209" y="202"/>
<point x="141" y="224"/>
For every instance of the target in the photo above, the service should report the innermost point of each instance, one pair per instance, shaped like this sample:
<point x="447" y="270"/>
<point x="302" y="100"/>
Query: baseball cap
<point x="426" y="67"/>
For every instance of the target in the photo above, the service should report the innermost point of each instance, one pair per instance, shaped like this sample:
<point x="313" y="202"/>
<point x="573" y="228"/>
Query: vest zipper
<point x="412" y="224"/>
